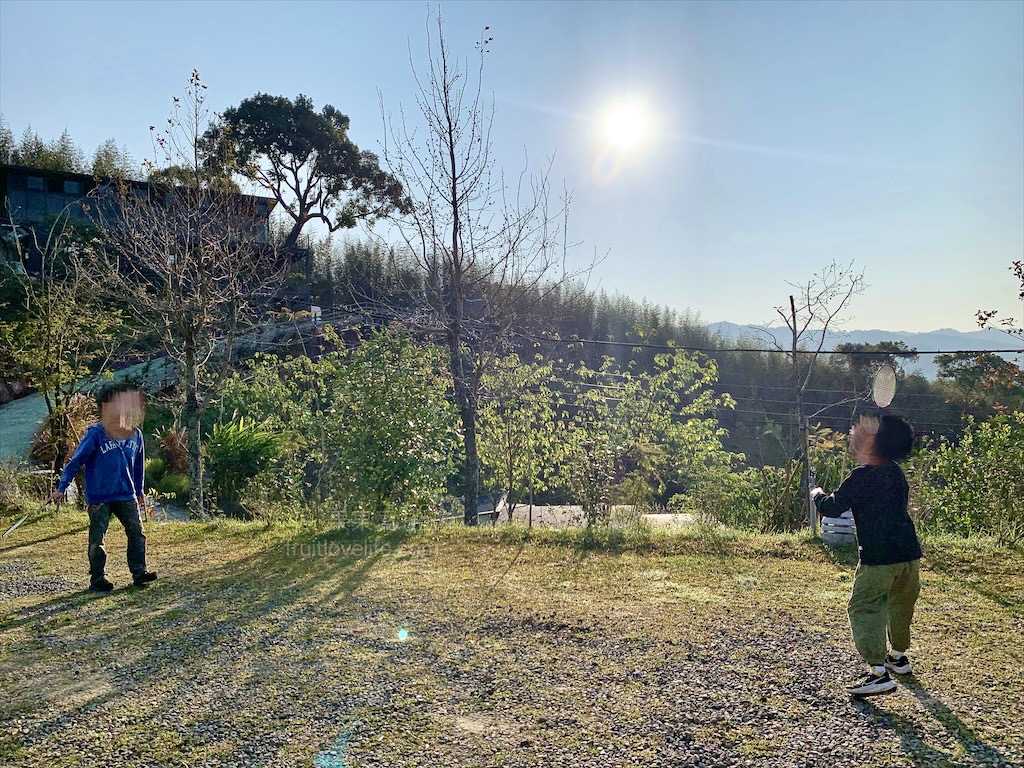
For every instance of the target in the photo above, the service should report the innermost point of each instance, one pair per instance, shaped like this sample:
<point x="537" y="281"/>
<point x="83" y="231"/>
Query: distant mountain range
<point x="942" y="340"/>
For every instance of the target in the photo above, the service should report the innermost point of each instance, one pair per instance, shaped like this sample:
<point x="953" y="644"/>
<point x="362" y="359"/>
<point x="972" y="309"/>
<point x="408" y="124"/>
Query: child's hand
<point x="57" y="497"/>
<point x="816" y="492"/>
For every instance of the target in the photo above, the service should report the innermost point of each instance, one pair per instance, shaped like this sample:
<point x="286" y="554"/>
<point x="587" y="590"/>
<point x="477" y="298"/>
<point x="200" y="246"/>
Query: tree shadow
<point x="180" y="621"/>
<point x="966" y="575"/>
<point x="914" y="739"/>
<point x="70" y="532"/>
<point x="47" y="609"/>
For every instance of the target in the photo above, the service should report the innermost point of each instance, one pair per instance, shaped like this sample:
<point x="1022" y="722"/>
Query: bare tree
<point x="190" y="259"/>
<point x="54" y="332"/>
<point x="815" y="308"/>
<point x="987" y="317"/>
<point x="488" y="249"/>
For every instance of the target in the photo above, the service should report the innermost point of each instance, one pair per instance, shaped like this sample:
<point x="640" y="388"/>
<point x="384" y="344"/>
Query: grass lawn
<point x="286" y="647"/>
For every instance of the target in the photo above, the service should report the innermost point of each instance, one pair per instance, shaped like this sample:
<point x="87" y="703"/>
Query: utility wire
<point x="710" y="350"/>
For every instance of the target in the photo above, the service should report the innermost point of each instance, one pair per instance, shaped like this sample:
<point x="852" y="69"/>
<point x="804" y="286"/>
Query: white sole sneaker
<point x="900" y="666"/>
<point x="872" y="685"/>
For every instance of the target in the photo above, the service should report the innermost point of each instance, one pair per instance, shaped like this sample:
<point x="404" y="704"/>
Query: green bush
<point x="730" y="498"/>
<point x="364" y="431"/>
<point x="173" y="484"/>
<point x="977" y="486"/>
<point x="237" y="452"/>
<point x="156" y="468"/>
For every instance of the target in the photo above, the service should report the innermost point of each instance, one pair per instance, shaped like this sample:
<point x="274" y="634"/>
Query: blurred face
<point x="862" y="439"/>
<point x="123" y="413"/>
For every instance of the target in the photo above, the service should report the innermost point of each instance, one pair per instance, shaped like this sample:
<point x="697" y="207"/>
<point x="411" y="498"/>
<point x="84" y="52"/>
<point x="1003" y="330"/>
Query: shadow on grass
<point x="47" y="609"/>
<point x="847" y="555"/>
<point x="176" y="624"/>
<point x="914" y="739"/>
<point x="10" y="547"/>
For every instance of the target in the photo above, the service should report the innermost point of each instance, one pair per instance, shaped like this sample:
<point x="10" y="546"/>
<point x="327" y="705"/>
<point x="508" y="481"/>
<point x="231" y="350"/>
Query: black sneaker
<point x="898" y="663"/>
<point x="144" y="578"/>
<point x="872" y="685"/>
<point x="101" y="585"/>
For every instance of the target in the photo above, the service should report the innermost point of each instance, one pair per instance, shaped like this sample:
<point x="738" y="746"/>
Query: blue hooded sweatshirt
<point x="114" y="469"/>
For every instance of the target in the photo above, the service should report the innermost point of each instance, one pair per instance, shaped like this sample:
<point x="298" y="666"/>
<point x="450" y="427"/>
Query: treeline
<point x="574" y="323"/>
<point x="63" y="154"/>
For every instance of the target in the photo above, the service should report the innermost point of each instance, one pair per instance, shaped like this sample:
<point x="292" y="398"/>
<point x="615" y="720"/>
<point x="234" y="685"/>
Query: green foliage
<point x="518" y="430"/>
<point x="174" y="485"/>
<point x="977" y="486"/>
<point x="114" y="162"/>
<point x="985" y="382"/>
<point x="156" y="468"/>
<point x="629" y="434"/>
<point x="366" y="431"/>
<point x="290" y="149"/>
<point x="61" y="154"/>
<point x="767" y="498"/>
<point x="237" y="452"/>
<point x="6" y="141"/>
<point x="864" y="359"/>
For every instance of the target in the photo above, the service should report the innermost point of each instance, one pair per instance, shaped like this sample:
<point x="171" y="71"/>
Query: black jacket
<point x="877" y="495"/>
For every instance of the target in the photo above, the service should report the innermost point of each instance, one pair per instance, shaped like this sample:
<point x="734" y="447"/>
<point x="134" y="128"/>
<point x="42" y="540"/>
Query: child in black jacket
<point x="887" y="583"/>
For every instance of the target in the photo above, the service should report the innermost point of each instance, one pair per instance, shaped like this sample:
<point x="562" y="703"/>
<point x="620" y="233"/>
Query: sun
<point x="626" y="124"/>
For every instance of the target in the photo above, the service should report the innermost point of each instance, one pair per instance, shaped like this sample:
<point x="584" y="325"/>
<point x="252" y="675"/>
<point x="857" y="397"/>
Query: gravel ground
<point x="290" y="653"/>
<point x="18" y="579"/>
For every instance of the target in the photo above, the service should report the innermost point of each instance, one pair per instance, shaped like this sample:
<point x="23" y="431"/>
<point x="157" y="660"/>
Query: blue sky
<point x="784" y="135"/>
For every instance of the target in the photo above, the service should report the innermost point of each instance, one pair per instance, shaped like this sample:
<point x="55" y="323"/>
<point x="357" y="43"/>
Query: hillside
<point x="284" y="647"/>
<point x="941" y="340"/>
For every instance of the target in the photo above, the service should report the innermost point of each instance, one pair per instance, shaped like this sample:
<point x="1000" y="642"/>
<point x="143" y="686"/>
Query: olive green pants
<point x="882" y="604"/>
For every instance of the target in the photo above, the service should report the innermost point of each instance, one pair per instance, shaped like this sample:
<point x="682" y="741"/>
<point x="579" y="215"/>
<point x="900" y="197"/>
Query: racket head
<point x="883" y="387"/>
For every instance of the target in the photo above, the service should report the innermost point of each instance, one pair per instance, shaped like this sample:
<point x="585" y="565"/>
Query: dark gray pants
<point x="99" y="518"/>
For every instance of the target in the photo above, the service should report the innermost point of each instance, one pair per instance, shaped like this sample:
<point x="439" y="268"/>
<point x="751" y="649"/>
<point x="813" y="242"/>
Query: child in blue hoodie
<point x="113" y="456"/>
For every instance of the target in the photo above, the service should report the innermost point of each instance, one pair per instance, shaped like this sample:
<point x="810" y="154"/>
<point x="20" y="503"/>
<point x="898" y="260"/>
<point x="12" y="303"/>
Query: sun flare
<point x="626" y="124"/>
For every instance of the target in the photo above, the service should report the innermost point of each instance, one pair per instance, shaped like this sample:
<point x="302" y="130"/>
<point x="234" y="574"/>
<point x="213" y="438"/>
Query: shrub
<point x="367" y="430"/>
<point x="81" y="414"/>
<point x="237" y="452"/>
<point x="156" y="468"/>
<point x="976" y="487"/>
<point x="174" y="450"/>
<point x="173" y="484"/>
<point x="732" y="499"/>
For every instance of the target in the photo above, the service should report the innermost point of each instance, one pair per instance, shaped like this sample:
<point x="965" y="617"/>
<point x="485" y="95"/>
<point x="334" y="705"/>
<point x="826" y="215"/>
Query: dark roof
<point x="90" y="182"/>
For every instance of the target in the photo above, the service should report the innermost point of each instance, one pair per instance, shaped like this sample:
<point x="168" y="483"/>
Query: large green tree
<point x="306" y="160"/>
<point x="519" y="429"/>
<point x="984" y="382"/>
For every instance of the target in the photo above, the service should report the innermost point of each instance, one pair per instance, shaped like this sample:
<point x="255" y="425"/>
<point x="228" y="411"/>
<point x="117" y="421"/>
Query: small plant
<point x="80" y="414"/>
<point x="174" y="450"/>
<point x="238" y="451"/>
<point x="173" y="484"/>
<point x="12" y="481"/>
<point x="156" y="468"/>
